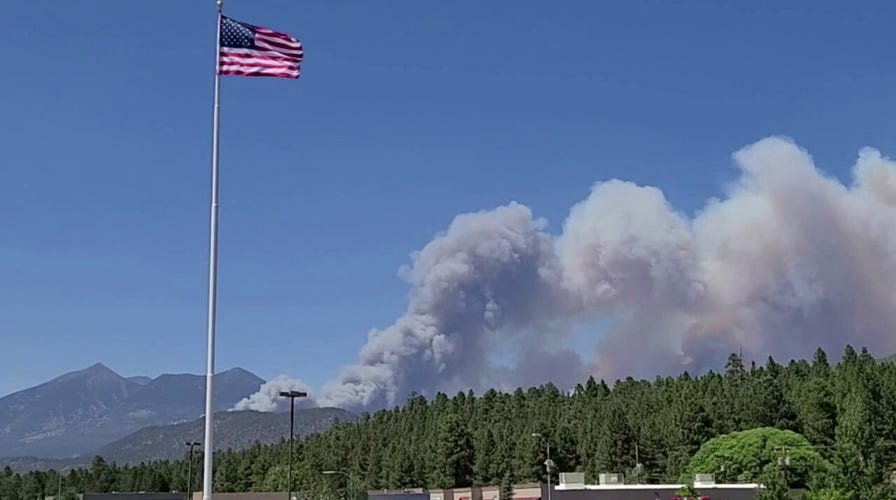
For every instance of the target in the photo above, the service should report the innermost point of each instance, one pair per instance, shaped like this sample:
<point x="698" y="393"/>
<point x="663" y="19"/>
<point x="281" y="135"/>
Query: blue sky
<point x="407" y="113"/>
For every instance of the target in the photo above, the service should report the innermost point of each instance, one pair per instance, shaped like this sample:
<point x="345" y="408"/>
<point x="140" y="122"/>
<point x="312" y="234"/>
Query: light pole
<point x="548" y="463"/>
<point x="191" y="444"/>
<point x="292" y="395"/>
<point x="59" y="485"/>
<point x="639" y="467"/>
<point x="348" y="477"/>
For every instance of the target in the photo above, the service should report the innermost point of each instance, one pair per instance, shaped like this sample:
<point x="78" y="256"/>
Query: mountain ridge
<point x="233" y="430"/>
<point x="82" y="410"/>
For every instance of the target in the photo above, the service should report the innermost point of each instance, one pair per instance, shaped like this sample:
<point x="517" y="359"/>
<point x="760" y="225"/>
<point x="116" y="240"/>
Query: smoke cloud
<point x="268" y="397"/>
<point x="788" y="260"/>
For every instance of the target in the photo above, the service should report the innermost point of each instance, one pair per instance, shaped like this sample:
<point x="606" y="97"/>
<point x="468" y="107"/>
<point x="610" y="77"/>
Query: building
<point x="612" y="487"/>
<point x="415" y="494"/>
<point x="529" y="491"/>
<point x="281" y="495"/>
<point x="572" y="486"/>
<point x="133" y="496"/>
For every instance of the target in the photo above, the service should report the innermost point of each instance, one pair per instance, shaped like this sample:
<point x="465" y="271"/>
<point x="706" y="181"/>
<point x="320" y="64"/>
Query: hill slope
<point x="233" y="429"/>
<point x="80" y="411"/>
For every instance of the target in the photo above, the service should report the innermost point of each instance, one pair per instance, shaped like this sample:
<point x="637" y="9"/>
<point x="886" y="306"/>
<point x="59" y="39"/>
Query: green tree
<point x="748" y="456"/>
<point x="453" y="462"/>
<point x="774" y="482"/>
<point x="507" y="486"/>
<point x="827" y="494"/>
<point x="846" y="411"/>
<point x="102" y="477"/>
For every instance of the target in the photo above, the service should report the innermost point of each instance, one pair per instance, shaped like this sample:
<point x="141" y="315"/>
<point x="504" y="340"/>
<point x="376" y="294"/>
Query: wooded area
<point x="842" y="418"/>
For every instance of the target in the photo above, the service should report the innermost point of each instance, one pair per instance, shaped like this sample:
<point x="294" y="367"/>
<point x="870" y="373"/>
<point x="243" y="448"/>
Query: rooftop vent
<point x="572" y="479"/>
<point x="611" y="478"/>
<point x="704" y="479"/>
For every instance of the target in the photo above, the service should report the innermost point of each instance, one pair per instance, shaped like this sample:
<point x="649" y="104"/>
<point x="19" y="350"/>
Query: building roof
<point x="248" y="496"/>
<point x="708" y="486"/>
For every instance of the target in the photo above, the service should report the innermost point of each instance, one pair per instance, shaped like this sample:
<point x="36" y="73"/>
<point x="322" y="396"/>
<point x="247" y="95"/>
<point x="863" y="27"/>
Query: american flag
<point x="248" y="50"/>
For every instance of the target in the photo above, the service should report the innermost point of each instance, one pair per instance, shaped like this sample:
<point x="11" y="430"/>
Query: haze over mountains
<point x="81" y="411"/>
<point x="233" y="429"/>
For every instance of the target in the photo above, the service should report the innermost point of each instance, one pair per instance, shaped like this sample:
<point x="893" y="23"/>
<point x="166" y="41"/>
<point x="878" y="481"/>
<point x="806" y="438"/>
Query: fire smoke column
<point x="268" y="398"/>
<point x="628" y="255"/>
<point x="491" y="273"/>
<point x="789" y="259"/>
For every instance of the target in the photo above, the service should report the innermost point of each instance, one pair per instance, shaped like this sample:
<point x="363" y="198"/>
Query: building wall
<point x="134" y="496"/>
<point x="281" y="495"/>
<point x="490" y="493"/>
<point x="529" y="491"/>
<point x="474" y="493"/>
<point x="441" y="495"/>
<point x="652" y="494"/>
<point x="373" y="495"/>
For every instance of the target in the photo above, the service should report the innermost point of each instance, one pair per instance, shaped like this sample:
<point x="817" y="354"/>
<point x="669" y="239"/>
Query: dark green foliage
<point x="774" y="478"/>
<point x="506" y="492"/>
<point x="842" y="417"/>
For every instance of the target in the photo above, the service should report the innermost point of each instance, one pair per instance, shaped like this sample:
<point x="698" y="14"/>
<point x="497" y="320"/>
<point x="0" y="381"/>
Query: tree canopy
<point x="747" y="456"/>
<point x="843" y="413"/>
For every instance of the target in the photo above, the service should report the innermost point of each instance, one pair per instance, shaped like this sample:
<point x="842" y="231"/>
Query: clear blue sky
<point x="407" y="113"/>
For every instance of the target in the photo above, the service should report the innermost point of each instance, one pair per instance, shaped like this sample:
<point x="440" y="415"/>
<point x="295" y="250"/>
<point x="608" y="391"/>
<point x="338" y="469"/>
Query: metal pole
<point x="292" y="395"/>
<point x="190" y="475"/>
<point x="637" y="464"/>
<point x="292" y="416"/>
<point x="212" y="277"/>
<point x="59" y="484"/>
<point x="190" y="472"/>
<point x="548" y="466"/>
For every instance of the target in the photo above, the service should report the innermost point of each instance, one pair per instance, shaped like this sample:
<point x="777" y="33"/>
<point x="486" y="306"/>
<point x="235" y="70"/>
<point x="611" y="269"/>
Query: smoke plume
<point x="268" y="397"/>
<point x="788" y="260"/>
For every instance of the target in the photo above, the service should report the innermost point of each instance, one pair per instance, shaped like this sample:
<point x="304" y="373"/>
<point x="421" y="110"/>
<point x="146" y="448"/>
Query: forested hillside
<point x="846" y="412"/>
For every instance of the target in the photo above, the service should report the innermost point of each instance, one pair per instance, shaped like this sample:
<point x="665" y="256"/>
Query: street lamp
<point x="639" y="467"/>
<point x="548" y="463"/>
<point x="347" y="475"/>
<point x="59" y="485"/>
<point x="292" y="395"/>
<point x="336" y="472"/>
<point x="191" y="444"/>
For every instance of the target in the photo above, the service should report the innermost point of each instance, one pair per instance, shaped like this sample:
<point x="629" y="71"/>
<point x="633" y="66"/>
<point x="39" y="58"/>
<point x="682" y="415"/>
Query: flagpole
<point x="212" y="278"/>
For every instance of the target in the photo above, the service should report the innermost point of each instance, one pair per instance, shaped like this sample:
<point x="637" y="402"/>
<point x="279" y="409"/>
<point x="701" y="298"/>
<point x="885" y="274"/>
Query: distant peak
<point x="98" y="368"/>
<point x="94" y="371"/>
<point x="238" y="373"/>
<point x="236" y="370"/>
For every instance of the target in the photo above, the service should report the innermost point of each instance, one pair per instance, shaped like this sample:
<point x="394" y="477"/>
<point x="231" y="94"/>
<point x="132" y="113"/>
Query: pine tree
<point x="507" y="487"/>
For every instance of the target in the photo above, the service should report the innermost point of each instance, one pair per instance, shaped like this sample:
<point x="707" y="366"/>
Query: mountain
<point x="140" y="379"/>
<point x="80" y="411"/>
<point x="233" y="429"/>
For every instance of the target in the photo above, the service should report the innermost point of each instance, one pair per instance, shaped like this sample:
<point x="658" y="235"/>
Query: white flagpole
<point x="212" y="279"/>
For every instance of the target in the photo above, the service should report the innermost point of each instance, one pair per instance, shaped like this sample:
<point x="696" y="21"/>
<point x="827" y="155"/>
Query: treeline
<point x="846" y="411"/>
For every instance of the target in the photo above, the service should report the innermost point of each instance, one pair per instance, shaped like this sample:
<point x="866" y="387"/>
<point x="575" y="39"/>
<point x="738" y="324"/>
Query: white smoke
<point x="268" y="397"/>
<point x="493" y="271"/>
<point x="788" y="261"/>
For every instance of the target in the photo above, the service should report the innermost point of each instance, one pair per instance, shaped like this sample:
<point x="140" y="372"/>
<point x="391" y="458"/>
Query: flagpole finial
<point x="220" y="4"/>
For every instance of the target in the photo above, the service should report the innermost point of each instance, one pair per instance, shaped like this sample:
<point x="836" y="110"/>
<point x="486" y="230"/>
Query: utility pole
<point x="548" y="463"/>
<point x="191" y="444"/>
<point x="350" y="495"/>
<point x="639" y="467"/>
<point x="292" y="395"/>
